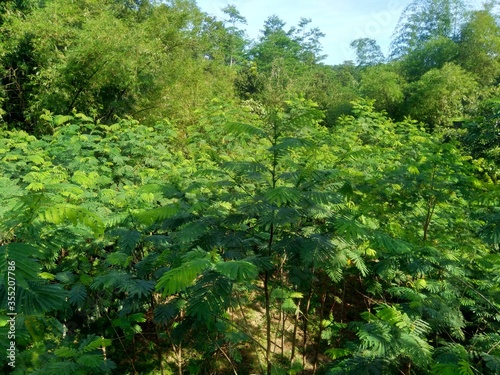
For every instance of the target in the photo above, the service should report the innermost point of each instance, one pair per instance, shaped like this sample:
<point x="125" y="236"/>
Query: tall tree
<point x="423" y="20"/>
<point x="332" y="87"/>
<point x="368" y="52"/>
<point x="479" y="46"/>
<point x="89" y="57"/>
<point x="282" y="57"/>
<point x="442" y="96"/>
<point x="236" y="38"/>
<point x="431" y="54"/>
<point x="295" y="45"/>
<point x="384" y="84"/>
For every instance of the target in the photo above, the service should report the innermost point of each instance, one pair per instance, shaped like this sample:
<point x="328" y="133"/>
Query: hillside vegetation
<point x="178" y="199"/>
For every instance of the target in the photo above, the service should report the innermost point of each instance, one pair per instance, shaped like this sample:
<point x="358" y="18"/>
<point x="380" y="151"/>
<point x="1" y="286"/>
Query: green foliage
<point x="368" y="52"/>
<point x="442" y="95"/>
<point x="76" y="215"/>
<point x="180" y="278"/>
<point x="387" y="341"/>
<point x="479" y="41"/>
<point x="422" y="21"/>
<point x="279" y="61"/>
<point x="142" y="238"/>
<point x="235" y="41"/>
<point x="91" y="57"/>
<point x="385" y="85"/>
<point x="365" y="246"/>
<point x="432" y="54"/>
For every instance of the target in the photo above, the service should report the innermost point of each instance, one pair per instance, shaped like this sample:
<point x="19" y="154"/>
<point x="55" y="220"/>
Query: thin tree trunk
<point x="342" y="304"/>
<point x="283" y="337"/>
<point x="320" y="331"/>
<point x="159" y="352"/>
<point x="294" y="335"/>
<point x="268" y="322"/>
<point x="431" y="205"/>
<point x="179" y="359"/>
<point x="306" y="319"/>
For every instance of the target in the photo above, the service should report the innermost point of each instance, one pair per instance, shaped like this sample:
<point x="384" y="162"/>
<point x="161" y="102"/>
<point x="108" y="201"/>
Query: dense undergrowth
<point x="365" y="244"/>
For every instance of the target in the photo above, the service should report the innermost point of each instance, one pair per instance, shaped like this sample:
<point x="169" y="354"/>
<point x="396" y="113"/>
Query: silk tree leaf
<point x="78" y="295"/>
<point x="94" y="343"/>
<point x="139" y="288"/>
<point x="287" y="143"/>
<point x="59" y="368"/>
<point x="41" y="298"/>
<point x="36" y="158"/>
<point x="92" y="361"/>
<point x="358" y="261"/>
<point x="289" y="305"/>
<point x="164" y="313"/>
<point x="191" y="231"/>
<point x="237" y="270"/>
<point x="178" y="279"/>
<point x="61" y="213"/>
<point x="323" y="197"/>
<point x="128" y="240"/>
<point x="283" y="195"/>
<point x="119" y="259"/>
<point x="61" y="119"/>
<point x="244" y="167"/>
<point x="376" y="337"/>
<point x="492" y="362"/>
<point x="81" y="178"/>
<point x="65" y="352"/>
<point x="167" y="191"/>
<point x="242" y="128"/>
<point x="148" y="217"/>
<point x="26" y="266"/>
<point x="111" y="279"/>
<point x="209" y="297"/>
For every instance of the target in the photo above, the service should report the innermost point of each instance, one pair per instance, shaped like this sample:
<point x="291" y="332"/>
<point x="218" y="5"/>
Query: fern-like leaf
<point x="237" y="270"/>
<point x="128" y="240"/>
<point x="178" y="279"/>
<point x="65" y="352"/>
<point x="93" y="343"/>
<point x="61" y="213"/>
<point x="41" y="298"/>
<point x="165" y="313"/>
<point x="209" y="297"/>
<point x="287" y="143"/>
<point x="139" y="288"/>
<point x="91" y="361"/>
<point x="78" y="295"/>
<point x="148" y="217"/>
<point x="244" y="167"/>
<point x="191" y="231"/>
<point x="241" y="128"/>
<point x="24" y="257"/>
<point x="492" y="362"/>
<point x="283" y="195"/>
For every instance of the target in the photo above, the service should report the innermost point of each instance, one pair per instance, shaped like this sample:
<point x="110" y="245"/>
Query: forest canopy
<point x="176" y="198"/>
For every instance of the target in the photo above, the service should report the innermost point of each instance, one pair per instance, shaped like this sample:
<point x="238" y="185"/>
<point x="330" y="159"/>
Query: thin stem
<point x="320" y="331"/>
<point x="268" y="321"/>
<point x="431" y="205"/>
<point x="294" y="335"/>
<point x="227" y="357"/>
<point x="122" y="344"/>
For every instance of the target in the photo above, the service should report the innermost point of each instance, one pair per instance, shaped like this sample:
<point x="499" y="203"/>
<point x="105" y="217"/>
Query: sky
<point x="342" y="21"/>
